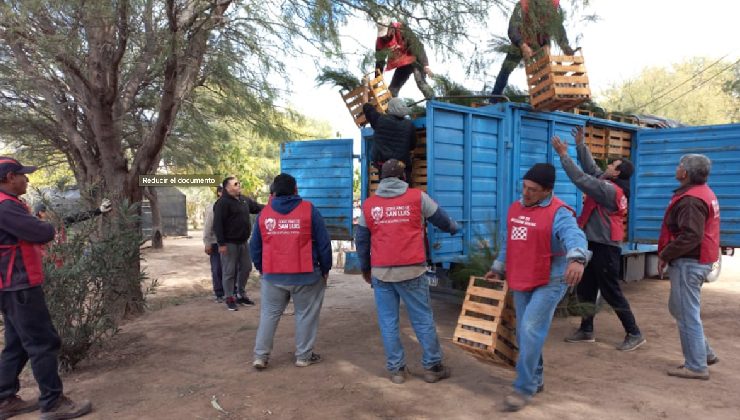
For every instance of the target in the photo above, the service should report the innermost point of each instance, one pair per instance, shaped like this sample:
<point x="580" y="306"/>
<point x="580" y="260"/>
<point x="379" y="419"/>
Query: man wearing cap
<point x="394" y="135"/>
<point x="689" y="245"/>
<point x="603" y="220"/>
<point x="405" y="53"/>
<point x="544" y="253"/>
<point x="211" y="247"/>
<point x="391" y="246"/>
<point x="29" y="332"/>
<point x="291" y="248"/>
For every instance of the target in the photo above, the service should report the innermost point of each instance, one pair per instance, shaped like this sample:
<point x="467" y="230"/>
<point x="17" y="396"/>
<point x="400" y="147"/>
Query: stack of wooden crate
<point x="487" y="324"/>
<point x="378" y="95"/>
<point x="419" y="161"/>
<point x="556" y="82"/>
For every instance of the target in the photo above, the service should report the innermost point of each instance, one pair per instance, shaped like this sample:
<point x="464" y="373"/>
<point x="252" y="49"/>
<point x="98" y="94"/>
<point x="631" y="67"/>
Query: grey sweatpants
<point x="307" y="301"/>
<point x="235" y="266"/>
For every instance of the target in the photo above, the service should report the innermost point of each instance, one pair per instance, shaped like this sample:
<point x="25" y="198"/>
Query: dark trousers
<point x="216" y="276"/>
<point x="602" y="274"/>
<point x="512" y="60"/>
<point x="402" y="74"/>
<point x="29" y="334"/>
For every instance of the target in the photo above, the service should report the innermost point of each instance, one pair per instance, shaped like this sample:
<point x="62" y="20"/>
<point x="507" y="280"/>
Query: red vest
<point x="30" y="252"/>
<point x="710" y="241"/>
<point x="396" y="229"/>
<point x="525" y="5"/>
<point x="287" y="243"/>
<point x="528" y="244"/>
<point x="615" y="218"/>
<point x="400" y="54"/>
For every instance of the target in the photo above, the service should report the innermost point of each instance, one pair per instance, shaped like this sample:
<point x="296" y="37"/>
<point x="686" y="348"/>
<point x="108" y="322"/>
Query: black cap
<point x="8" y="165"/>
<point x="543" y="174"/>
<point x="392" y="168"/>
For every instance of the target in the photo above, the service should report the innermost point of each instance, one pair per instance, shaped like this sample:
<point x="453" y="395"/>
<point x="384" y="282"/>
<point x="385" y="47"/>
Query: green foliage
<point x="338" y="78"/>
<point x="444" y="86"/>
<point x="79" y="273"/>
<point x="481" y="254"/>
<point x="694" y="92"/>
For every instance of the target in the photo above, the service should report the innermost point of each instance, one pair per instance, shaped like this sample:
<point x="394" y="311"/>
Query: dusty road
<point x="171" y="362"/>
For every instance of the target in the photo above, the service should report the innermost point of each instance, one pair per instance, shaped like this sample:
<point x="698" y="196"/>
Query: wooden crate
<point x="619" y="143"/>
<point x="373" y="179"/>
<point x="595" y="139"/>
<point x="623" y="118"/>
<point x="487" y="324"/>
<point x="378" y="95"/>
<point x="556" y="82"/>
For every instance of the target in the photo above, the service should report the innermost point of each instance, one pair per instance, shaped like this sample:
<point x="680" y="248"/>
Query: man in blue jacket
<point x="291" y="248"/>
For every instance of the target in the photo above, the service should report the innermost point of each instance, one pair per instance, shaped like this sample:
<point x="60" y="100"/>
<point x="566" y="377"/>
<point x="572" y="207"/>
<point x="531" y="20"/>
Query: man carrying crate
<point x="544" y="253"/>
<point x="390" y="245"/>
<point x="531" y="26"/>
<point x="602" y="219"/>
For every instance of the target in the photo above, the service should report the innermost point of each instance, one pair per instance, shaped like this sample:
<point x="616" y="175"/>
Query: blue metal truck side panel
<point x="657" y="155"/>
<point x="323" y="169"/>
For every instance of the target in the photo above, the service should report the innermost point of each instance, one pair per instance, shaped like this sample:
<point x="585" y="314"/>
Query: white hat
<point x="383" y="26"/>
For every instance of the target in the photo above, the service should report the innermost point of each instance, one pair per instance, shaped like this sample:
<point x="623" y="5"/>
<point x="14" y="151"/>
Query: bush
<point x="84" y="273"/>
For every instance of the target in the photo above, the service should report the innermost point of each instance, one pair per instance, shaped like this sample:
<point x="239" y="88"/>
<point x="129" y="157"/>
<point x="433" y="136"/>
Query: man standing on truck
<point x="532" y="24"/>
<point x="390" y="245"/>
<point x="603" y="221"/>
<point x="543" y="254"/>
<point x="689" y="245"/>
<point x="401" y="49"/>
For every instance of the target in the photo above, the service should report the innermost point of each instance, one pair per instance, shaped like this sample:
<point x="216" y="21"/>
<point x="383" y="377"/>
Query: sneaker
<point x="581" y="336"/>
<point x="64" y="408"/>
<point x="243" y="300"/>
<point x="540" y="388"/>
<point x="436" y="373"/>
<point x="631" y="342"/>
<point x="260" y="364"/>
<point x="219" y="299"/>
<point x="315" y="358"/>
<point x="15" y="405"/>
<point x="686" y="373"/>
<point x="712" y="360"/>
<point x="231" y="303"/>
<point x="399" y="376"/>
<point x="516" y="401"/>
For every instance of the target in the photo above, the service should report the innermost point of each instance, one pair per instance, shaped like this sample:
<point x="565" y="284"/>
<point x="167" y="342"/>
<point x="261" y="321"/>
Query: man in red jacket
<point x="29" y="333"/>
<point x="689" y="244"/>
<point x="405" y="54"/>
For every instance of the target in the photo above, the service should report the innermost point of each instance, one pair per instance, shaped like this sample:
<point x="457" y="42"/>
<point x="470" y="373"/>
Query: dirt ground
<point x="187" y="351"/>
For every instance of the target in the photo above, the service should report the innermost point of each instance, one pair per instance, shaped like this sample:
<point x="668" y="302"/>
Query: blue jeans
<point x="534" y="312"/>
<point x="687" y="276"/>
<point x="216" y="276"/>
<point x="415" y="296"/>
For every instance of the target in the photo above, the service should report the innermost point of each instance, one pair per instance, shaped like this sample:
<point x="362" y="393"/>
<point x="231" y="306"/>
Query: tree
<point x="697" y="91"/>
<point x="102" y="82"/>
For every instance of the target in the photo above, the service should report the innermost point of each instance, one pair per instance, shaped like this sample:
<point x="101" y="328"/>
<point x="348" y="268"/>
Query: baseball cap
<point x="8" y="164"/>
<point x="392" y="168"/>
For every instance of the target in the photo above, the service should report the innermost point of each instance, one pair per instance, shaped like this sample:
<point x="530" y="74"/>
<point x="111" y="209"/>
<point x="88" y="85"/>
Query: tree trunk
<point x="157" y="231"/>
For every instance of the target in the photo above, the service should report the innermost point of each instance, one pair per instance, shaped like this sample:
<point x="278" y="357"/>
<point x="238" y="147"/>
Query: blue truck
<point x="475" y="160"/>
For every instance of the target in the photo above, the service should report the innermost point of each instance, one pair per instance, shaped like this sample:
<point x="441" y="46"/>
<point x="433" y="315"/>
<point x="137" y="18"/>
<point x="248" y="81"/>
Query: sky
<point x="630" y="35"/>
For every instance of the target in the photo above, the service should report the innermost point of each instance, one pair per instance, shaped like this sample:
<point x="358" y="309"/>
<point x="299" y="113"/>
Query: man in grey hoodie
<point x="603" y="221"/>
<point x="391" y="247"/>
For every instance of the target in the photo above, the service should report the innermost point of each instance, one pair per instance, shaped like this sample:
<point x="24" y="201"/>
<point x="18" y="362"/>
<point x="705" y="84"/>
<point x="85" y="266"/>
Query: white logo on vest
<point x="376" y="213"/>
<point x="270" y="224"/>
<point x="519" y="233"/>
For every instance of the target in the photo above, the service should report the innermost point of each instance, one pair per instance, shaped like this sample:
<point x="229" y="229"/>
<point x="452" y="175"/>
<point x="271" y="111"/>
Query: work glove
<point x="105" y="206"/>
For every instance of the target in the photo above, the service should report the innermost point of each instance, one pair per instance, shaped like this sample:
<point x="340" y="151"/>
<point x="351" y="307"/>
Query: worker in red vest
<point x="29" y="332"/>
<point x="391" y="247"/>
<point x="404" y="53"/>
<point x="544" y="253"/>
<point x="603" y="220"/>
<point x="291" y="248"/>
<point x="531" y="26"/>
<point x="689" y="245"/>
